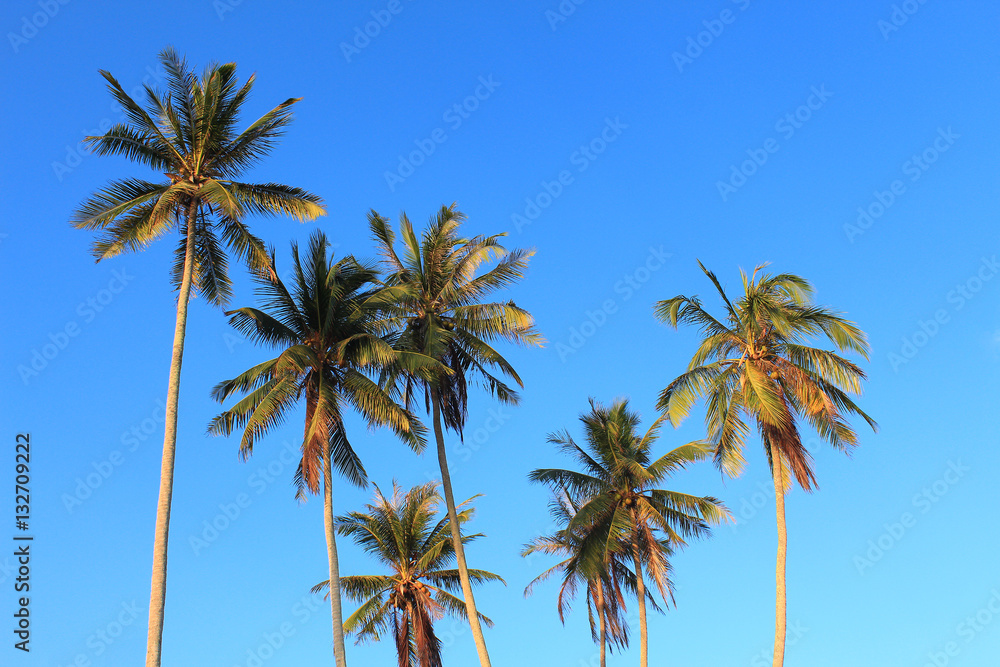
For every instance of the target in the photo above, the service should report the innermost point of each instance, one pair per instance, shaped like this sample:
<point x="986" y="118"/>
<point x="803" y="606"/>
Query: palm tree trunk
<point x="456" y="536"/>
<point x="336" y="609"/>
<point x="779" y="611"/>
<point x="604" y="629"/>
<point x="640" y="591"/>
<point x="158" y="585"/>
<point x="604" y="642"/>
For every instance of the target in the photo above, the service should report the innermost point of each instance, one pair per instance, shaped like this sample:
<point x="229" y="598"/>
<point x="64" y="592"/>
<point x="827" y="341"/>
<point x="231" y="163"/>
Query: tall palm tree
<point x="189" y="133"/>
<point x="433" y="301"/>
<point x="605" y="587"/>
<point x="401" y="533"/>
<point x="326" y="342"/>
<point x="753" y="365"/>
<point x="621" y="511"/>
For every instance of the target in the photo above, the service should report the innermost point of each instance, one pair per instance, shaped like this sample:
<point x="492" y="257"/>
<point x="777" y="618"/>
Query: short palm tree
<point x="605" y="587"/>
<point x="433" y="300"/>
<point x="189" y="133"/>
<point x="401" y="533"/>
<point x="753" y="365"/>
<point x="327" y="345"/>
<point x="621" y="512"/>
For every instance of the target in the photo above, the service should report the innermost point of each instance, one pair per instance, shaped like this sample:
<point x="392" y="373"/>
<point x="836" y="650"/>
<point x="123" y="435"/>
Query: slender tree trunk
<point x="779" y="611"/>
<point x="604" y="643"/>
<point x="336" y="608"/>
<point x="604" y="629"/>
<point x="640" y="591"/>
<point x="456" y="536"/>
<point x="158" y="586"/>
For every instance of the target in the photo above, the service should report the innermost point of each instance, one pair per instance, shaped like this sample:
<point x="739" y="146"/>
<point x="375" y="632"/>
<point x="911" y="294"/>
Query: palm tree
<point x="400" y="532"/>
<point x="754" y="364"/>
<point x="190" y="134"/>
<point x="604" y="586"/>
<point x="433" y="301"/>
<point x="621" y="513"/>
<point x="326" y="342"/>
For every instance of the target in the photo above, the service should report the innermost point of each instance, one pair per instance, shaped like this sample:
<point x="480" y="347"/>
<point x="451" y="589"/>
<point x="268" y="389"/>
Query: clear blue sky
<point x="841" y="108"/>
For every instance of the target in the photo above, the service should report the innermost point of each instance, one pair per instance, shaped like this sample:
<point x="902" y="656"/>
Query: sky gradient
<point x="852" y="143"/>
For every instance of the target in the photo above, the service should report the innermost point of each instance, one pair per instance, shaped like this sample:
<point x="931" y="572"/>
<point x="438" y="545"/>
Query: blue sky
<point x="852" y="143"/>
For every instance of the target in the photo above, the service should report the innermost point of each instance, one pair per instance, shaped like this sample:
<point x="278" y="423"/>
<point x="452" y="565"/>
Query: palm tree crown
<point x="401" y="533"/>
<point x="434" y="300"/>
<point x="754" y="364"/>
<point x="327" y="342"/>
<point x="190" y="134"/>
<point x="622" y="513"/>
<point x="605" y="587"/>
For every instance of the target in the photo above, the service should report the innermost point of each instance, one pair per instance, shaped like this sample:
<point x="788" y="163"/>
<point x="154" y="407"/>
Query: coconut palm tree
<point x="433" y="300"/>
<point x="401" y="533"/>
<point x="189" y="133"/>
<point x="754" y="366"/>
<point x="621" y="511"/>
<point x="605" y="587"/>
<point x="326" y="345"/>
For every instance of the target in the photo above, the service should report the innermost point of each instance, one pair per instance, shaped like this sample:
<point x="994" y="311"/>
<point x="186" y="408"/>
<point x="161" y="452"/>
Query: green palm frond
<point x="402" y="531"/>
<point x="612" y="511"/>
<point x="431" y="300"/>
<point x="679" y="396"/>
<point x="758" y="367"/>
<point x="132" y="144"/>
<point x="456" y="607"/>
<point x="189" y="132"/>
<point x="118" y="198"/>
<point x="262" y="327"/>
<point x="323" y="328"/>
<point x="606" y="580"/>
